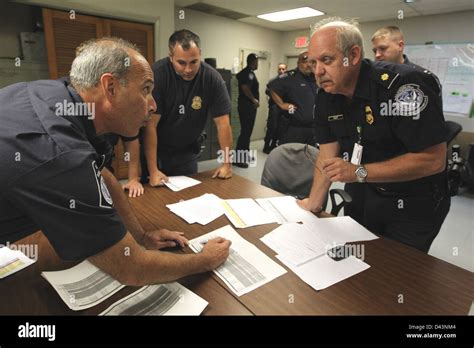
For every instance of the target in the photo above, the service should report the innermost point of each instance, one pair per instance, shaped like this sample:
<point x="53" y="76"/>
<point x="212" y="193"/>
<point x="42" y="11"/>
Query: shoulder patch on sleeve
<point x="410" y="100"/>
<point x="105" y="199"/>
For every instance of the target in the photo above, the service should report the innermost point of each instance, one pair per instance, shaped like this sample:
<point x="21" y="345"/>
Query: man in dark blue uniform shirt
<point x="187" y="91"/>
<point x="271" y="135"/>
<point x="53" y="177"/>
<point x="381" y="131"/>
<point x="248" y="104"/>
<point x="294" y="94"/>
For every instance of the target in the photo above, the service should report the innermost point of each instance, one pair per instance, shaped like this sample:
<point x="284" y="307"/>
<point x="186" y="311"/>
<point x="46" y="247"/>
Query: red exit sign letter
<point x="301" y="42"/>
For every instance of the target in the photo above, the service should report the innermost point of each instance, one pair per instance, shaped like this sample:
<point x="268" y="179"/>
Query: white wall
<point x="445" y="28"/>
<point x="451" y="27"/>
<point x="222" y="38"/>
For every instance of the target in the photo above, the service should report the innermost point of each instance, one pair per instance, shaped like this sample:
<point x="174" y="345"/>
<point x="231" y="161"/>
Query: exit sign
<point x="301" y="42"/>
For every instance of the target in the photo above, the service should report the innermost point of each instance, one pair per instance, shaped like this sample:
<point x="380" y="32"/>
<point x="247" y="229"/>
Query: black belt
<point x="422" y="187"/>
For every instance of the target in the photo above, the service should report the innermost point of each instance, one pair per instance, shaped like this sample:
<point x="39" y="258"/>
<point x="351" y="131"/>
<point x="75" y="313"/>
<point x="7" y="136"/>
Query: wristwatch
<point x="361" y="174"/>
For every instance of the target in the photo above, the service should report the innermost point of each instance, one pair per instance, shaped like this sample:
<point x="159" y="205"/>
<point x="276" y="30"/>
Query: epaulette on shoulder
<point x="386" y="74"/>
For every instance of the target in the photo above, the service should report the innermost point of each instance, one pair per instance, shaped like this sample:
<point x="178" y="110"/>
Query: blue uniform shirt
<point x="50" y="178"/>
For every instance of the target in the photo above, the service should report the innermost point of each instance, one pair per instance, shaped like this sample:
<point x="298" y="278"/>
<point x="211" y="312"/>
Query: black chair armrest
<point x="346" y="198"/>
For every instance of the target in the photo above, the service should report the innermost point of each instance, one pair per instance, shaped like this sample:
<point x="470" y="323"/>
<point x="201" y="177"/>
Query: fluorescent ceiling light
<point x="297" y="13"/>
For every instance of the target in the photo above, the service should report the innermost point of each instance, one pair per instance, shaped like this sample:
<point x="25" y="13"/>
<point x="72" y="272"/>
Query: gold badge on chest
<point x="368" y="115"/>
<point x="197" y="103"/>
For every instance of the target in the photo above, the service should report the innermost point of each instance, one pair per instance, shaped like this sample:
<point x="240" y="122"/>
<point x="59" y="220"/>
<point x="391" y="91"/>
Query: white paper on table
<point x="202" y="209"/>
<point x="284" y="209"/>
<point x="82" y="286"/>
<point x="323" y="271"/>
<point x="296" y="243"/>
<point x="339" y="230"/>
<point x="247" y="268"/>
<point x="245" y="212"/>
<point x="181" y="182"/>
<point x="12" y="261"/>
<point x="163" y="299"/>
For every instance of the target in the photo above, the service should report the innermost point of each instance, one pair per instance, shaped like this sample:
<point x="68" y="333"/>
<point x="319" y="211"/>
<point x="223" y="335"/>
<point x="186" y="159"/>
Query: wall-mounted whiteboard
<point x="454" y="66"/>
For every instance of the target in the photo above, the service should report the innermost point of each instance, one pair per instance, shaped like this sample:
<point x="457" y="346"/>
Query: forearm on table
<point x="140" y="267"/>
<point x="224" y="135"/>
<point x="321" y="182"/>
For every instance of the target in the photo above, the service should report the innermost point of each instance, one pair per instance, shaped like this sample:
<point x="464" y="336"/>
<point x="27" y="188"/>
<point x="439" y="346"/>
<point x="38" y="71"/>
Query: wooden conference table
<point x="401" y="280"/>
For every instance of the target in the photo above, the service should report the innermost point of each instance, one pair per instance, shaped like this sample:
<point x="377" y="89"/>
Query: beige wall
<point x="160" y="13"/>
<point x="451" y="27"/>
<point x="14" y="18"/>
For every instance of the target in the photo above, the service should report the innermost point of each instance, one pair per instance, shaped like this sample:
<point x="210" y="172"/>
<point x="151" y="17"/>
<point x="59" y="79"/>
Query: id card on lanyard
<point x="358" y="149"/>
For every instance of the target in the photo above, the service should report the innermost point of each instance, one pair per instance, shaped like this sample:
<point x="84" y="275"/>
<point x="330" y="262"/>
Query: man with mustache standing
<point x="381" y="131"/>
<point x="294" y="94"/>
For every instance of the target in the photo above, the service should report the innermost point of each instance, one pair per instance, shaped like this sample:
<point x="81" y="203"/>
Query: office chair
<point x="457" y="170"/>
<point x="289" y="170"/>
<point x="453" y="130"/>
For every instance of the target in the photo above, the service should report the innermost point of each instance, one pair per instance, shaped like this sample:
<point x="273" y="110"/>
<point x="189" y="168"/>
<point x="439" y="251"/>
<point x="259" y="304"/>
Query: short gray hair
<point x="99" y="56"/>
<point x="348" y="33"/>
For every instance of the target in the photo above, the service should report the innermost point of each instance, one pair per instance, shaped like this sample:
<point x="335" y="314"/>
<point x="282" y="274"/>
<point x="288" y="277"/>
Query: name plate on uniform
<point x="335" y="117"/>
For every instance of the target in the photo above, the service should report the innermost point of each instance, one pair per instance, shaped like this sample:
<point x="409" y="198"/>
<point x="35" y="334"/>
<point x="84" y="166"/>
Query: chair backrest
<point x="453" y="130"/>
<point x="289" y="169"/>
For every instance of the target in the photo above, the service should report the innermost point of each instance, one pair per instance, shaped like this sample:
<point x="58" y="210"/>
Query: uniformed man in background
<point x="271" y="135"/>
<point x="381" y="131"/>
<point x="187" y="91"/>
<point x="294" y="94"/>
<point x="248" y="103"/>
<point x="53" y="176"/>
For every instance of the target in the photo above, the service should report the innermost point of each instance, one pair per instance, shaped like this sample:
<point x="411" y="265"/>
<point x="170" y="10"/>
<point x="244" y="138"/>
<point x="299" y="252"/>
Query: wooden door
<point x="142" y="36"/>
<point x="64" y="32"/>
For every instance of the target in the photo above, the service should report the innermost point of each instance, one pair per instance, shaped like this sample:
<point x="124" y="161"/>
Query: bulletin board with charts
<point x="454" y="66"/>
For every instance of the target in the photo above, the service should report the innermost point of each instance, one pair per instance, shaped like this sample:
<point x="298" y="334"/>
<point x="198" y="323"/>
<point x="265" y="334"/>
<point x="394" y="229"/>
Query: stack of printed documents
<point x="304" y="249"/>
<point x="178" y="183"/>
<point x="247" y="268"/>
<point x="242" y="213"/>
<point x="202" y="209"/>
<point x="84" y="286"/>
<point x="12" y="261"/>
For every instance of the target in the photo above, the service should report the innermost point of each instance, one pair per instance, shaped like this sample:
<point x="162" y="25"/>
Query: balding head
<point x="335" y="53"/>
<point x="347" y="33"/>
